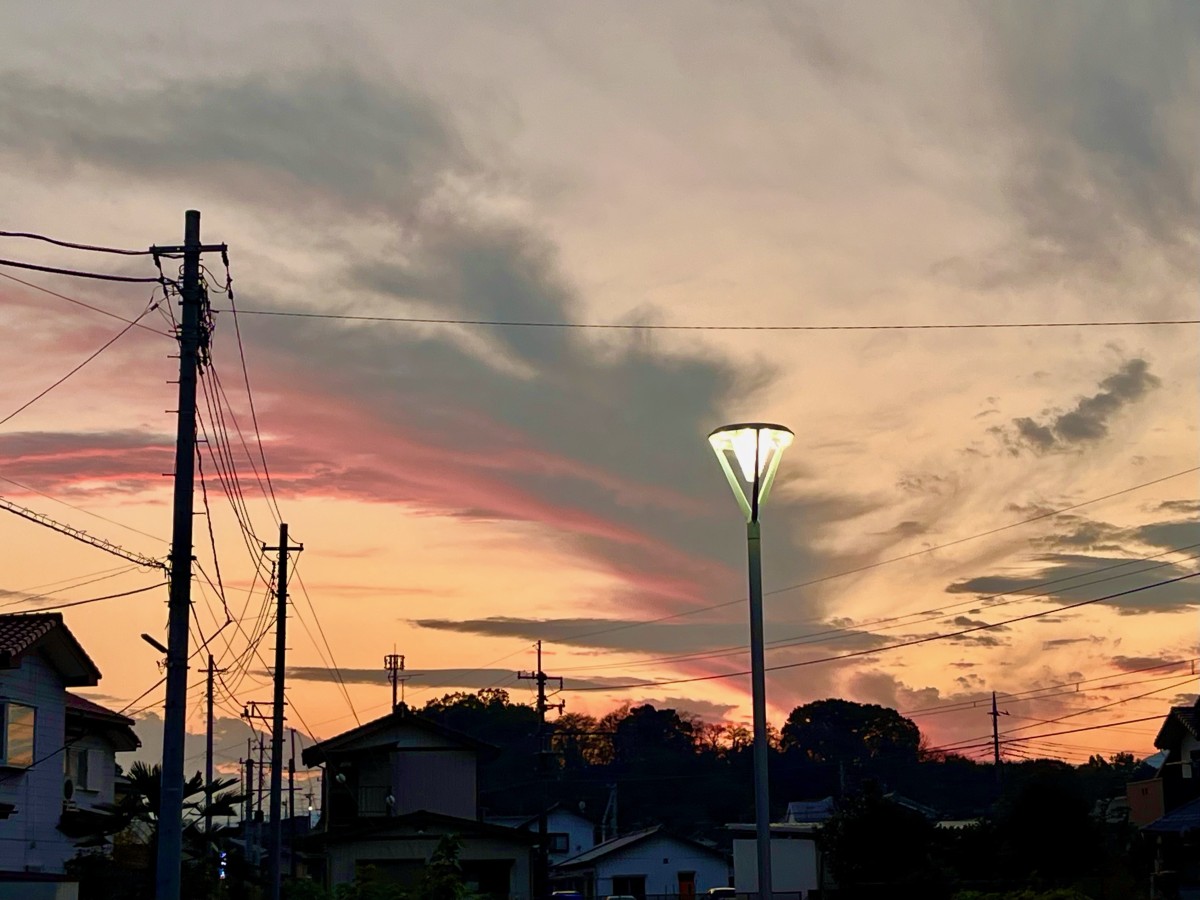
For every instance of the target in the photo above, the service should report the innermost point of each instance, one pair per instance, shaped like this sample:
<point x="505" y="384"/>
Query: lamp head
<point x="749" y="453"/>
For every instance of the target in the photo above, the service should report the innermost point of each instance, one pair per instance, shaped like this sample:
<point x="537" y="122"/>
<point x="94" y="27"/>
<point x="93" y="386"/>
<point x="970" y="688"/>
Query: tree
<point x="837" y="730"/>
<point x="873" y="843"/>
<point x="133" y="823"/>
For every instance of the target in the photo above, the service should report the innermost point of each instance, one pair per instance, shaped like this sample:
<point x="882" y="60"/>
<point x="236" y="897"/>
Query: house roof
<point x="318" y="753"/>
<point x="1177" y="821"/>
<point x="1179" y="718"/>
<point x="527" y="820"/>
<point x="423" y="820"/>
<point x="809" y="810"/>
<point x="116" y="727"/>
<point x="24" y="633"/>
<point x="588" y="857"/>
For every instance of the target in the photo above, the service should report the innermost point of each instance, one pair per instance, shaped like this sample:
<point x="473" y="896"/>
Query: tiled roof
<point x="1178" y="821"/>
<point x="88" y="708"/>
<point x="19" y="632"/>
<point x="618" y="843"/>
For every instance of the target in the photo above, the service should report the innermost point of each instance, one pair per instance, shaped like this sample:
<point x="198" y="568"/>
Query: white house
<point x="569" y="832"/>
<point x="94" y="736"/>
<point x="650" y="862"/>
<point x="39" y="660"/>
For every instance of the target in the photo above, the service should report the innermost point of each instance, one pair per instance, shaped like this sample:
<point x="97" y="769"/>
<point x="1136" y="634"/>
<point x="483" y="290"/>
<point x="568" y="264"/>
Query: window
<point x="560" y="842"/>
<point x="77" y="768"/>
<point x="16" y="740"/>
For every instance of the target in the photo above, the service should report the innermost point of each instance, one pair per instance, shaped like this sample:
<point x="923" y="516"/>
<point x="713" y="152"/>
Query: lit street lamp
<point x="749" y="452"/>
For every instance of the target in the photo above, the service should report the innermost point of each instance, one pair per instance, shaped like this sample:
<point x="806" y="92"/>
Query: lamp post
<point x="749" y="453"/>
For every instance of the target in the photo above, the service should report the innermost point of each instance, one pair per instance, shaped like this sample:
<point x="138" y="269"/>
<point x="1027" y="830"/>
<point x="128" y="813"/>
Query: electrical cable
<point x="892" y="622"/>
<point x="886" y="647"/>
<point x="86" y="512"/>
<point x="631" y="326"/>
<point x="78" y="273"/>
<point x="72" y="603"/>
<point x="70" y="245"/>
<point x="567" y="639"/>
<point x="77" y="302"/>
<point x="120" y="334"/>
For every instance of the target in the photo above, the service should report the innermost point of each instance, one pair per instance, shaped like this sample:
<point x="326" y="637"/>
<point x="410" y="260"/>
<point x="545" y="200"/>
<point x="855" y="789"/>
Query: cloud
<point x="1094" y="102"/>
<point x="1135" y="663"/>
<point x="1088" y="421"/>
<point x="1070" y="578"/>
<point x="638" y="636"/>
<point x="461" y="679"/>
<point x="329" y="135"/>
<point x="125" y="461"/>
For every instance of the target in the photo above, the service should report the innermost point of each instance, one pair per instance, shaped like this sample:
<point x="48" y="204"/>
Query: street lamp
<point x="749" y="453"/>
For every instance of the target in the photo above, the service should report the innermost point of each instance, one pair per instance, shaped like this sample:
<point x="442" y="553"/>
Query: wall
<point x="102" y="772"/>
<point x="441" y="781"/>
<point x="795" y="865"/>
<point x="661" y="859"/>
<point x="29" y="838"/>
<point x="343" y="857"/>
<point x="580" y="832"/>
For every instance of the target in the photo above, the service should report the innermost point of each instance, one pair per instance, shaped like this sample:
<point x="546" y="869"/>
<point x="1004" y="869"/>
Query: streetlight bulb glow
<point x="754" y="449"/>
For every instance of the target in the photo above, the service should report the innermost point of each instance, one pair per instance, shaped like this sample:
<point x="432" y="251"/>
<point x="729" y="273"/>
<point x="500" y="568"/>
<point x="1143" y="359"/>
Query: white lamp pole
<point x="749" y="453"/>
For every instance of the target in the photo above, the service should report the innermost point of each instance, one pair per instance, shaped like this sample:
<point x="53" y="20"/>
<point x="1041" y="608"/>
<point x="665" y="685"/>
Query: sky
<point x="730" y="184"/>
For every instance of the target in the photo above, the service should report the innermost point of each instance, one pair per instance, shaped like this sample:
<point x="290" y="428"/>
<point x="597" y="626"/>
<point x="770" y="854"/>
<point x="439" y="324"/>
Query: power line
<point x="1034" y="737"/>
<point x="116" y="337"/>
<point x="68" y="605"/>
<point x="885" y="562"/>
<point x="70" y="245"/>
<point x="77" y="302"/>
<point x="86" y="512"/>
<point x="78" y="273"/>
<point x="899" y="621"/>
<point x="896" y="646"/>
<point x="631" y="326"/>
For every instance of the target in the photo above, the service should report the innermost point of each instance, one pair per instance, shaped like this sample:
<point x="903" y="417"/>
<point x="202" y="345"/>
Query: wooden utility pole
<point x="193" y="350"/>
<point x="292" y="806"/>
<point x="276" y="840"/>
<point x="208" y="751"/>
<point x="996" y="714"/>
<point x="542" y="874"/>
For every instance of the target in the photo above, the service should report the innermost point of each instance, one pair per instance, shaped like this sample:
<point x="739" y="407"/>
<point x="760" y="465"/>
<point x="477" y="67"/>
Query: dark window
<point x="559" y="842"/>
<point x="630" y="885"/>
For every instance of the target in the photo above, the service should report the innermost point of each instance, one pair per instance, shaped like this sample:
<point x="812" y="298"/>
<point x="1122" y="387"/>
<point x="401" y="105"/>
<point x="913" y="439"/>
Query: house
<point x="56" y="753"/>
<point x="569" y="832"/>
<point x="392" y="789"/>
<point x="646" y="863"/>
<point x="1176" y="780"/>
<point x="1164" y="800"/>
<point x="94" y="736"/>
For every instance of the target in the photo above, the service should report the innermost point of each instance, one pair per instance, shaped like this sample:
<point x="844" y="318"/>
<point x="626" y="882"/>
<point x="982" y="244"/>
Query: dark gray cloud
<point x="462" y="679"/>
<point x="1096" y="103"/>
<point x="1070" y="578"/>
<point x="633" y="636"/>
<point x="1135" y="663"/>
<point x="293" y="138"/>
<point x="1087" y="421"/>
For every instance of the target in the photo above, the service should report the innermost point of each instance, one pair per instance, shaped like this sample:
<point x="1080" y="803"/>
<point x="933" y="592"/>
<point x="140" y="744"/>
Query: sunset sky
<point x="462" y="491"/>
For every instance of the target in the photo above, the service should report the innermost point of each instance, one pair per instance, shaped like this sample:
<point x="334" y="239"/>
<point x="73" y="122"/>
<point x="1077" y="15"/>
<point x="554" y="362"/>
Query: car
<point x="721" y="893"/>
<point x="620" y="897"/>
